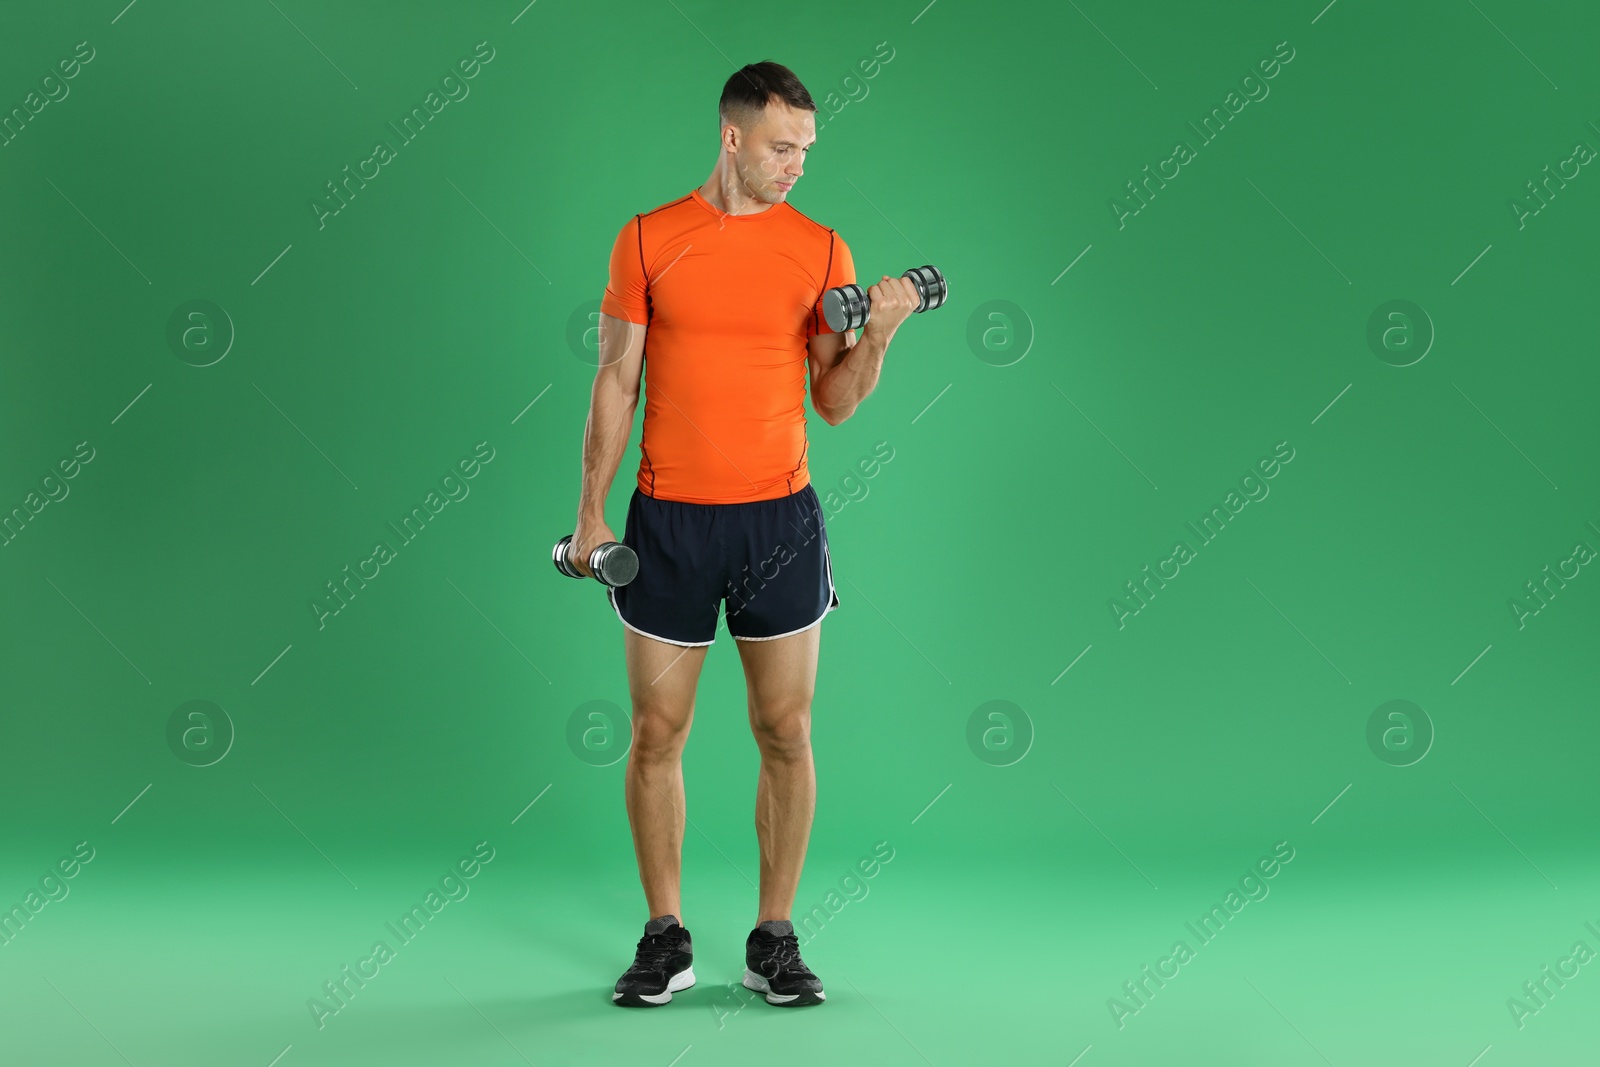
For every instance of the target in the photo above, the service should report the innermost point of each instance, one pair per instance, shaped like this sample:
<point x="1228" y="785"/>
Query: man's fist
<point x="892" y="301"/>
<point x="589" y="536"/>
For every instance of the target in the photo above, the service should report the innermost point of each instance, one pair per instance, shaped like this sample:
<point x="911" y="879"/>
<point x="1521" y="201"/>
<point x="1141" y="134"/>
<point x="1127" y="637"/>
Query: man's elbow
<point x="832" y="416"/>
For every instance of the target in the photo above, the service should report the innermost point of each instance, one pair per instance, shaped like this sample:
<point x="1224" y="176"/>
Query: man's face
<point x="771" y="156"/>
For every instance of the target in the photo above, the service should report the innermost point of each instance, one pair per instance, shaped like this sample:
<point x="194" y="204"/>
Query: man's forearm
<point x="847" y="383"/>
<point x="605" y="438"/>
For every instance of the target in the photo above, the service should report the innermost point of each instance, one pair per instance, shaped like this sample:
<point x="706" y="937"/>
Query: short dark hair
<point x="746" y="92"/>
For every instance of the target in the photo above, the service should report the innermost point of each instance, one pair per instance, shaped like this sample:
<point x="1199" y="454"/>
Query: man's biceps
<point x="621" y="353"/>
<point x="622" y="333"/>
<point x="828" y="348"/>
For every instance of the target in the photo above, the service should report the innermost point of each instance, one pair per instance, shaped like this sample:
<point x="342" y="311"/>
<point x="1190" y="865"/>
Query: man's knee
<point x="783" y="733"/>
<point x="659" y="733"/>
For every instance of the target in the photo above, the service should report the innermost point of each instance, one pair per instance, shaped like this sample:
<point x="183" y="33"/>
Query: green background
<point x="369" y="356"/>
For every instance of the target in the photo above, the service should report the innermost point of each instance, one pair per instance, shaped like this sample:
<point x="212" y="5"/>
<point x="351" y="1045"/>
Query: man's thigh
<point x="662" y="679"/>
<point x="780" y="572"/>
<point x="678" y="591"/>
<point x="781" y="675"/>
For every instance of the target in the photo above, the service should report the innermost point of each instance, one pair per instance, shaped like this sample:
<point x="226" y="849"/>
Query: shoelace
<point x="655" y="949"/>
<point x="785" y="951"/>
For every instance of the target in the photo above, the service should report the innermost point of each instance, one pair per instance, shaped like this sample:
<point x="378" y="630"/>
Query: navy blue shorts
<point x="768" y="559"/>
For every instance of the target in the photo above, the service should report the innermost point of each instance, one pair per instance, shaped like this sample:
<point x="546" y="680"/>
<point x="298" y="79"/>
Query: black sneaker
<point x="661" y="966"/>
<point x="773" y="966"/>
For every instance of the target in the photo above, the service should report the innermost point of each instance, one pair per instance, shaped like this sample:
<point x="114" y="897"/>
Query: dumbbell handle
<point x="848" y="307"/>
<point x="612" y="562"/>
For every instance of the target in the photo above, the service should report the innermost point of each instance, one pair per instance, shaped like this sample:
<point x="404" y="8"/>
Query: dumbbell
<point x="847" y="307"/>
<point x="613" y="562"/>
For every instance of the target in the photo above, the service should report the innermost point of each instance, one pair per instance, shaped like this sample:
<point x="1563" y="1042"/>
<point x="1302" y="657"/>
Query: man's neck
<point x="727" y="197"/>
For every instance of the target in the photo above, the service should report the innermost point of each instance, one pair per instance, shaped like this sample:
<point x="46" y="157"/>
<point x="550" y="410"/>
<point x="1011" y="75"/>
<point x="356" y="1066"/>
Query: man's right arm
<point x="605" y="436"/>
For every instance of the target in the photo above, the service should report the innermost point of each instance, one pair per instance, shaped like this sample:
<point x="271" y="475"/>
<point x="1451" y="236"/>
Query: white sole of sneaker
<point x="752" y="980"/>
<point x="676" y="984"/>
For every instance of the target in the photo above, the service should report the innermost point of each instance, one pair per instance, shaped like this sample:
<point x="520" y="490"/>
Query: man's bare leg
<point x="661" y="683"/>
<point x="780" y="678"/>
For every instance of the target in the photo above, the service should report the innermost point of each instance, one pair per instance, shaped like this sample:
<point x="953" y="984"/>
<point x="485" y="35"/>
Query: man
<point x="726" y="282"/>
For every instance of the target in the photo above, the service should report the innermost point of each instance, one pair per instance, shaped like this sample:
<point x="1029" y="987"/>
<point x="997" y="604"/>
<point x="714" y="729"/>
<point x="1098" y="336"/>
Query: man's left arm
<point x="844" y="370"/>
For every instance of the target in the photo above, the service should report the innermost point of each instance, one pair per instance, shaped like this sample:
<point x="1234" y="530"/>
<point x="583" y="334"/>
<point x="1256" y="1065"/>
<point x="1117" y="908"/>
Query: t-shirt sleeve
<point x="841" y="271"/>
<point x="627" y="286"/>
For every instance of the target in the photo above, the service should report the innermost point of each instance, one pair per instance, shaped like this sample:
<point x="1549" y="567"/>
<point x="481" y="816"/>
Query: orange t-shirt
<point x="730" y="302"/>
